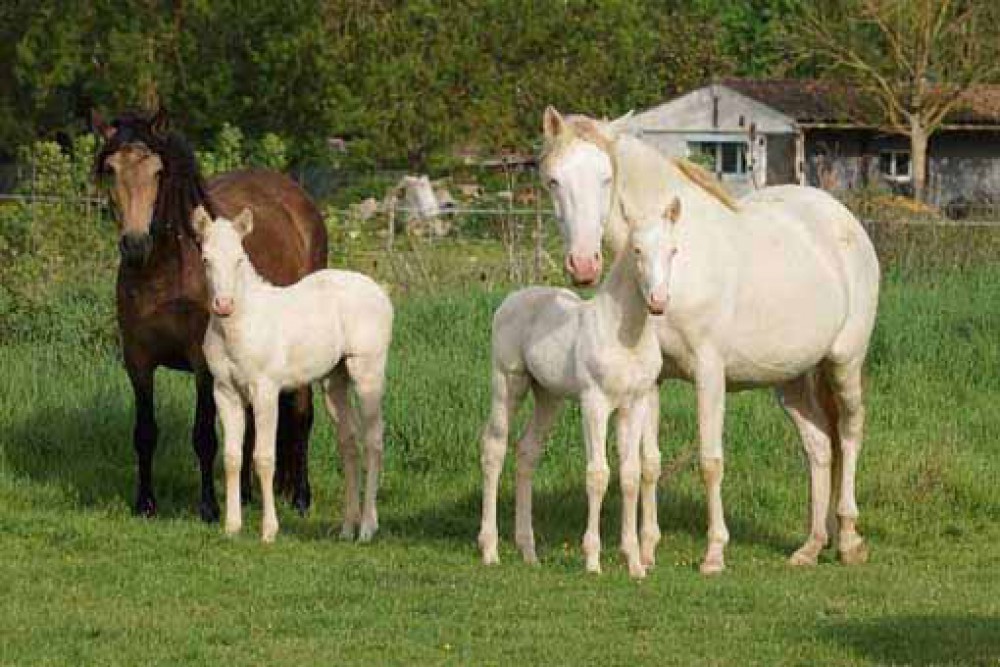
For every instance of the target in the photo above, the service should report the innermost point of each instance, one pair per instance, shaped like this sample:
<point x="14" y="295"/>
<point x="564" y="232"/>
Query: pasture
<point x="84" y="582"/>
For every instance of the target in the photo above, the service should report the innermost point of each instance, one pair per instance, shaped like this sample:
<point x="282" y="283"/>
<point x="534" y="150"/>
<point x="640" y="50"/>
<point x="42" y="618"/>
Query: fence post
<point x="537" y="259"/>
<point x="392" y="225"/>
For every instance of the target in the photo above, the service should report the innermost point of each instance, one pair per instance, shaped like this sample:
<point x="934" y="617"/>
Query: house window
<point x="895" y="164"/>
<point x="727" y="158"/>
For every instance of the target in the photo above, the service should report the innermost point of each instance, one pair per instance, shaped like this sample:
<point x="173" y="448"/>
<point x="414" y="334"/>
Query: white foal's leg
<point x="338" y="405"/>
<point x="595" y="433"/>
<point x="368" y="375"/>
<point x="232" y="414"/>
<point x="630" y="422"/>
<point x="529" y="448"/>
<point x="710" y="381"/>
<point x="846" y="382"/>
<point x="799" y="400"/>
<point x="649" y="534"/>
<point x="264" y="399"/>
<point x="507" y="391"/>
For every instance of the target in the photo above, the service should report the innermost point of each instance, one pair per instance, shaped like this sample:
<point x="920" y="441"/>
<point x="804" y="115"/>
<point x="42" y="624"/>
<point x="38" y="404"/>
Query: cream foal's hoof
<point x="803" y="558"/>
<point x="488" y="547"/>
<point x="853" y="550"/>
<point x="711" y="566"/>
<point x="267" y="535"/>
<point x="233" y="528"/>
<point x="347" y="531"/>
<point x="367" y="531"/>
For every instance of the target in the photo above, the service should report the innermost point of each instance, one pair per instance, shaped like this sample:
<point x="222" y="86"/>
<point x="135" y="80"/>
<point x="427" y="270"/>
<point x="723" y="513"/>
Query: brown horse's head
<point x="153" y="179"/>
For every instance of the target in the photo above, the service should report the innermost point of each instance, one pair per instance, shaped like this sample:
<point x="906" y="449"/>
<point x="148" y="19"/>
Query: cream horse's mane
<point x="587" y="129"/>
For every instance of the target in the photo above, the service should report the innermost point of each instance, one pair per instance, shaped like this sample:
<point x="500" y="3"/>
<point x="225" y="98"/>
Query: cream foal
<point x="332" y="326"/>
<point x="604" y="353"/>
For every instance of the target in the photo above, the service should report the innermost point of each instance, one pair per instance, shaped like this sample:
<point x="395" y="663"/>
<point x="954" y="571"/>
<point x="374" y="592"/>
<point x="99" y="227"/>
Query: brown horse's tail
<point x="828" y="402"/>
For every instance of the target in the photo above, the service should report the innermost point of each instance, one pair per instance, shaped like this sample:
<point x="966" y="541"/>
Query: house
<point x="753" y="133"/>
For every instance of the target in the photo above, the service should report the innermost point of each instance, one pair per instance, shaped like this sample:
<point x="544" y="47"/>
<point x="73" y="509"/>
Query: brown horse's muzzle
<point x="135" y="248"/>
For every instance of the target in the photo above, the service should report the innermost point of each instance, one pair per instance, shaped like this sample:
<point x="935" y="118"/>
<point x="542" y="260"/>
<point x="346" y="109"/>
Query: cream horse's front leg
<point x="595" y="432"/>
<point x="232" y="414"/>
<point x="630" y="425"/>
<point x="649" y="534"/>
<point x="710" y="385"/>
<point x="264" y="398"/>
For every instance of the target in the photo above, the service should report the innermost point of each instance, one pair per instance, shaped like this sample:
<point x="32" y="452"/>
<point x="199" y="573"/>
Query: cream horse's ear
<point x="552" y="123"/>
<point x="673" y="212"/>
<point x="618" y="125"/>
<point x="200" y="220"/>
<point x="243" y="224"/>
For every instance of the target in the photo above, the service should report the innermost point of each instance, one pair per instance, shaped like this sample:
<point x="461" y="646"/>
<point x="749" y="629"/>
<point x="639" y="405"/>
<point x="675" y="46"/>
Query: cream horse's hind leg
<point x="508" y="390"/>
<point x="845" y="379"/>
<point x="799" y="399"/>
<point x="338" y="406"/>
<point x="529" y="448"/>
<point x="710" y="387"/>
<point x="368" y="375"/>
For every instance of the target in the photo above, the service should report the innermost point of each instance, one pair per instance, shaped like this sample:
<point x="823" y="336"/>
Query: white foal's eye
<point x="552" y="184"/>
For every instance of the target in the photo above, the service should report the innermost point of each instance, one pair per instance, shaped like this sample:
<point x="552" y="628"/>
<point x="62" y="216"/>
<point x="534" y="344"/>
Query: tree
<point x="912" y="62"/>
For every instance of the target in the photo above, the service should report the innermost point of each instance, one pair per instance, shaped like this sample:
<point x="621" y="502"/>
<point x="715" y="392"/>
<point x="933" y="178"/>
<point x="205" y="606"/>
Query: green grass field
<point x="83" y="582"/>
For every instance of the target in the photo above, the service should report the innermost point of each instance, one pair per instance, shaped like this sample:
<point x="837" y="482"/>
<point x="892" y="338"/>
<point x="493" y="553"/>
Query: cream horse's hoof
<point x="367" y="531"/>
<point x="347" y="531"/>
<point x="803" y="558"/>
<point x="712" y="566"/>
<point x="488" y="547"/>
<point x="853" y="550"/>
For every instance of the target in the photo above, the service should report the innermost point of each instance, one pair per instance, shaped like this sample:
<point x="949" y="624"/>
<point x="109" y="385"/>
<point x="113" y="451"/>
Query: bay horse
<point x="162" y="298"/>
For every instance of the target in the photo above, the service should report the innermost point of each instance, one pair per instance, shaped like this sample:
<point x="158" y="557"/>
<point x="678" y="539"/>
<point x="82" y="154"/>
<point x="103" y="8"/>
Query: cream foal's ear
<point x="200" y="220"/>
<point x="673" y="212"/>
<point x="552" y="123"/>
<point x="243" y="224"/>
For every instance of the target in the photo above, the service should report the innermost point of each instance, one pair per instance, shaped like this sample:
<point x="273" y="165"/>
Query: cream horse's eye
<point x="552" y="184"/>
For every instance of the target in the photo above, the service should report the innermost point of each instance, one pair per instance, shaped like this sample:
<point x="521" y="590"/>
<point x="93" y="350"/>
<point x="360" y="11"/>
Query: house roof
<point x="809" y="101"/>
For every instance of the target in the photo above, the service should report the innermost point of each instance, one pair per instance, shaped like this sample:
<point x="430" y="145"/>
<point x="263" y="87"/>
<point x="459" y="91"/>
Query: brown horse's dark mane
<point x="181" y="188"/>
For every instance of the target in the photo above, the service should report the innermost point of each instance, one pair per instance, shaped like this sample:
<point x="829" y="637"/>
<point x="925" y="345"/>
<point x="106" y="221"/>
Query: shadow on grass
<point x="922" y="641"/>
<point x="85" y="452"/>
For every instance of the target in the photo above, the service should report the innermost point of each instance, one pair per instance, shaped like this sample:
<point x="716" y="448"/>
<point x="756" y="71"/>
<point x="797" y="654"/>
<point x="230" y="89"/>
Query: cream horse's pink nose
<point x="222" y="306"/>
<point x="584" y="270"/>
<point x="657" y="304"/>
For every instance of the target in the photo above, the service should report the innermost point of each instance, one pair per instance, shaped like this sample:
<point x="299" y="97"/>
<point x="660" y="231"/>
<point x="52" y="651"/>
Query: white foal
<point x="603" y="352"/>
<point x="332" y="326"/>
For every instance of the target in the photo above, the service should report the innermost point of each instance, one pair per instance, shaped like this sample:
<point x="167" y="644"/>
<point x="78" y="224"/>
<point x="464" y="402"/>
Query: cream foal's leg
<point x="710" y="386"/>
<point x="846" y="381"/>
<point x="338" y="406"/>
<point x="507" y="391"/>
<point x="630" y="424"/>
<point x="799" y="400"/>
<point x="595" y="432"/>
<point x="264" y="398"/>
<point x="368" y="374"/>
<point x="232" y="414"/>
<point x="649" y="535"/>
<point x="529" y="448"/>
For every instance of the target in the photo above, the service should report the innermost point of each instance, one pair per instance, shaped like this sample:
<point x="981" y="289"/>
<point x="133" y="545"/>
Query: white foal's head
<point x="577" y="171"/>
<point x="223" y="254"/>
<point x="654" y="245"/>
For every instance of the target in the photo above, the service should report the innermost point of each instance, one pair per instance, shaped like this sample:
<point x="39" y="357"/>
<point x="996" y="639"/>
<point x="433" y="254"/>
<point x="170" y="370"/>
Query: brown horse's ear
<point x="673" y="212"/>
<point x="552" y="123"/>
<point x="160" y="122"/>
<point x="99" y="125"/>
<point x="244" y="222"/>
<point x="200" y="220"/>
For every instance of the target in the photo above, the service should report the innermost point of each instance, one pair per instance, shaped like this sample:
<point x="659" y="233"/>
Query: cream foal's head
<point x="223" y="254"/>
<point x="653" y="243"/>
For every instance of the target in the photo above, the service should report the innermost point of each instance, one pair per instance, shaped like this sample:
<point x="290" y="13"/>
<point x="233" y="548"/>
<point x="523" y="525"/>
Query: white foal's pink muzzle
<point x="222" y="306"/>
<point x="584" y="270"/>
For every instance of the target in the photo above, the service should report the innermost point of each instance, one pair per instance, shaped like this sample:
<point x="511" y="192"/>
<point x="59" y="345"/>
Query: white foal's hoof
<point x="488" y="547"/>
<point x="711" y="566"/>
<point x="636" y="569"/>
<point x="529" y="555"/>
<point x="647" y="554"/>
<point x="233" y="528"/>
<point x="367" y="531"/>
<point x="347" y="531"/>
<point x="268" y="534"/>
<point x="853" y="550"/>
<point x="803" y="558"/>
<point x="593" y="564"/>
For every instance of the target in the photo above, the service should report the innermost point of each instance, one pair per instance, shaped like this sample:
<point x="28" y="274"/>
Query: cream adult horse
<point x="332" y="326"/>
<point x="779" y="290"/>
<point x="603" y="352"/>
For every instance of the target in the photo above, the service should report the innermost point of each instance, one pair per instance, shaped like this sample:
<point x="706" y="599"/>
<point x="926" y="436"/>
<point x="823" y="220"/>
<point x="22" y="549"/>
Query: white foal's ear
<point x="618" y="125"/>
<point x="552" y="123"/>
<point x="200" y="220"/>
<point x="243" y="224"/>
<point x="673" y="212"/>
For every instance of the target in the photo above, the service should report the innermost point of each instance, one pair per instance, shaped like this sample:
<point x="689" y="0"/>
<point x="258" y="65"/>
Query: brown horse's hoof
<point x="302" y="501"/>
<point x="209" y="511"/>
<point x="145" y="507"/>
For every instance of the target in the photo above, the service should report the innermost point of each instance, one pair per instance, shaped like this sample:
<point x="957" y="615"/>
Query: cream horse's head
<point x="577" y="171"/>
<point x="223" y="254"/>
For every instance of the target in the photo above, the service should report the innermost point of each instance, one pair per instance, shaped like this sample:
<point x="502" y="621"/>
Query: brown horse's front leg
<point x="144" y="434"/>
<point x="295" y="419"/>
<point x="206" y="444"/>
